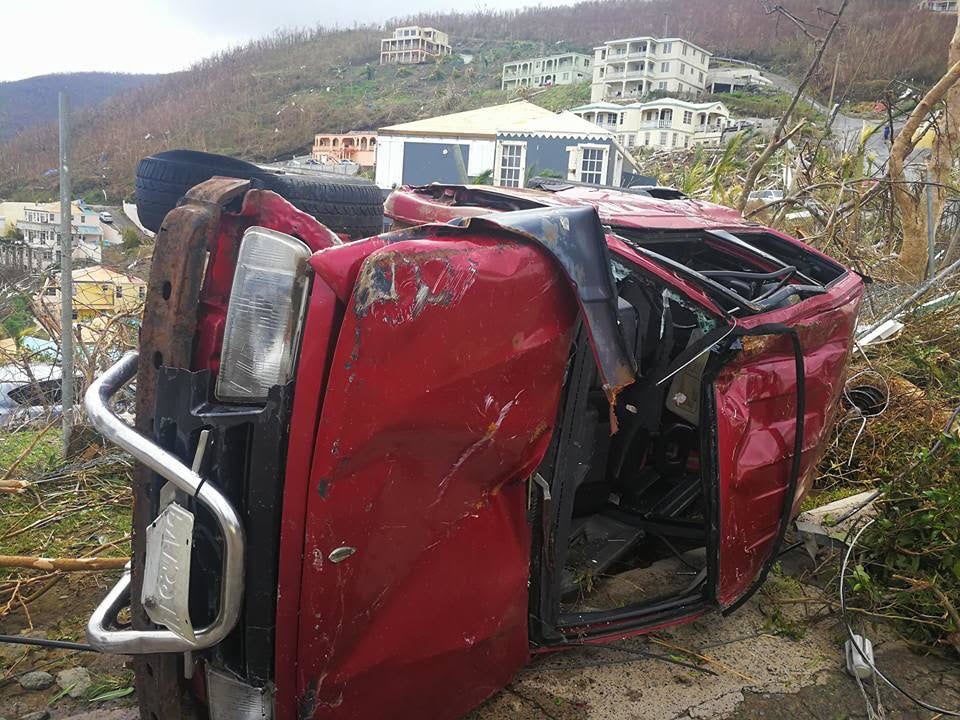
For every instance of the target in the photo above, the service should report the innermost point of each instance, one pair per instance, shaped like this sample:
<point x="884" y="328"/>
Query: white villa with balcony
<point x="414" y="44"/>
<point x="563" y="69"/>
<point x="634" y="67"/>
<point x="665" y="124"/>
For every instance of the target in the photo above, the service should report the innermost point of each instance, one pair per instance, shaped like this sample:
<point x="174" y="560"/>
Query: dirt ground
<point x="61" y="614"/>
<point x="769" y="659"/>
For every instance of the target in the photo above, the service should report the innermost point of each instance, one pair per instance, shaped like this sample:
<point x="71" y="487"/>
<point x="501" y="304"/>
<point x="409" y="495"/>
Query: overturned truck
<point x="377" y="476"/>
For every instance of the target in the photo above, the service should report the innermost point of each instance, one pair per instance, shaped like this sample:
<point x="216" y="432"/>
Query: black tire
<point x="354" y="208"/>
<point x="347" y="205"/>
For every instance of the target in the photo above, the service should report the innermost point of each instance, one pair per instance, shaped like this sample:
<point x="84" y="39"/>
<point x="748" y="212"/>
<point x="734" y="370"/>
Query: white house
<point x="513" y="142"/>
<point x="633" y="67"/>
<point x="563" y="69"/>
<point x="414" y="44"/>
<point x="667" y="123"/>
<point x="944" y="6"/>
<point x="40" y="226"/>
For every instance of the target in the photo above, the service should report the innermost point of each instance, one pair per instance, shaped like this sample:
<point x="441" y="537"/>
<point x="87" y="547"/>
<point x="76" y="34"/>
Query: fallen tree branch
<point x="29" y="449"/>
<point x="63" y="564"/>
<point x="13" y="486"/>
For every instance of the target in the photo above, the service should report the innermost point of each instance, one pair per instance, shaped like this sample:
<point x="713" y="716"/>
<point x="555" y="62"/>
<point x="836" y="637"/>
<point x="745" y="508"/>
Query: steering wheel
<point x="756" y="279"/>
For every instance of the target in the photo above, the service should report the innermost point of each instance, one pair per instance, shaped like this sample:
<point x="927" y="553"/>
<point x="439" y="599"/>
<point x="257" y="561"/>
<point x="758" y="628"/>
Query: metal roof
<point x="517" y="117"/>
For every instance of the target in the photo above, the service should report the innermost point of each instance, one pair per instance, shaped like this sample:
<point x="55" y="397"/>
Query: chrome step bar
<point x="103" y="631"/>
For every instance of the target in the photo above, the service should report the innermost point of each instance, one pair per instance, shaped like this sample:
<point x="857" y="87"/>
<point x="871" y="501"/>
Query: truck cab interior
<point x="629" y="532"/>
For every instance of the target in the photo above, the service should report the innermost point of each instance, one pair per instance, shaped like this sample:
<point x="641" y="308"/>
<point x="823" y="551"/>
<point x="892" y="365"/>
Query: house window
<point x="646" y="138"/>
<point x="684" y="49"/>
<point x="665" y="67"/>
<point x="673" y="139"/>
<point x="683" y="69"/>
<point x="512" y="156"/>
<point x="566" y="76"/>
<point x="592" y="161"/>
<point x="662" y="85"/>
<point x="687" y="118"/>
<point x="663" y="139"/>
<point x="119" y="291"/>
<point x="701" y="77"/>
<point x="667" y="47"/>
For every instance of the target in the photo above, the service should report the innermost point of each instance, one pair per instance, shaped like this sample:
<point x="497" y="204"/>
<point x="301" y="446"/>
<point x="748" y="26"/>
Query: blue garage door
<point x="425" y="163"/>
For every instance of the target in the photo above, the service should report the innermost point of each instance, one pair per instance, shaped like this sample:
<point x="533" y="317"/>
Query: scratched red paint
<point x="411" y="206"/>
<point x="426" y="393"/>
<point x="756" y="396"/>
<point x="428" y="430"/>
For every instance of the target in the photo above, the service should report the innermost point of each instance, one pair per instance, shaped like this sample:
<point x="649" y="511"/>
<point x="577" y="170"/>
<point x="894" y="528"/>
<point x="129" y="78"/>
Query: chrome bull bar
<point x="103" y="631"/>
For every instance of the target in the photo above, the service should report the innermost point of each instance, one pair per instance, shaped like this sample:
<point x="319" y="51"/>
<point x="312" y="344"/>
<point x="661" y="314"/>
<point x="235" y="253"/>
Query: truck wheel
<point x="347" y="205"/>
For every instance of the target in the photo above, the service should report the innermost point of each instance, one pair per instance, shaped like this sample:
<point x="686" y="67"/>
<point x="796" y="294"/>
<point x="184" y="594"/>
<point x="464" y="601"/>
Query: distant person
<point x="886" y="133"/>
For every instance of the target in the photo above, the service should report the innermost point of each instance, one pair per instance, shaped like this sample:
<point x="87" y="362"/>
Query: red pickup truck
<point x="378" y="476"/>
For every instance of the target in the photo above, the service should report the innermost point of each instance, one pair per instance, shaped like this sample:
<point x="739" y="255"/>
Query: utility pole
<point x="931" y="229"/>
<point x="66" y="278"/>
<point x="666" y="24"/>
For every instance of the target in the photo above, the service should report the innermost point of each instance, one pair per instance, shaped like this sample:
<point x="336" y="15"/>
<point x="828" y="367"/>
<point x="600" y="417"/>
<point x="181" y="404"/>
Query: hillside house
<point x="414" y="44"/>
<point x="944" y="6"/>
<point x="562" y="69"/>
<point x="97" y="292"/>
<point x="513" y="142"/>
<point x="633" y="67"/>
<point x="356" y="146"/>
<point x="732" y="79"/>
<point x="664" y="124"/>
<point x="40" y="227"/>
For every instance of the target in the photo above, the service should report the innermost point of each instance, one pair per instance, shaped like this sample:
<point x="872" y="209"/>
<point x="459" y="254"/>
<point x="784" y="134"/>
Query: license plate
<point x="166" y="572"/>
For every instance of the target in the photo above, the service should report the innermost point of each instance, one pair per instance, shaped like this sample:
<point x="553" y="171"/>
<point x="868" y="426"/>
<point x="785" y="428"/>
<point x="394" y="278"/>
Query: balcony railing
<point x="656" y="124"/>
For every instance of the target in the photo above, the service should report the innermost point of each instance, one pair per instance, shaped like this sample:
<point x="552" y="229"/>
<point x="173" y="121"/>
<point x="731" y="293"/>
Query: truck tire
<point x="347" y="205"/>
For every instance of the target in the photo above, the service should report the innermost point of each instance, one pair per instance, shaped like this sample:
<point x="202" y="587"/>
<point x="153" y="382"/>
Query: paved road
<point x="846" y="128"/>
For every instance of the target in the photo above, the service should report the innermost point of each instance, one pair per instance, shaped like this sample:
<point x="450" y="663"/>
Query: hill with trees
<point x="33" y="101"/>
<point x="267" y="99"/>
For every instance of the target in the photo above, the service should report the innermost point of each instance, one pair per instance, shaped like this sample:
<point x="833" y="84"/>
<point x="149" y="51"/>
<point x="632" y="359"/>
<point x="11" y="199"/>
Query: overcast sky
<point x="149" y="36"/>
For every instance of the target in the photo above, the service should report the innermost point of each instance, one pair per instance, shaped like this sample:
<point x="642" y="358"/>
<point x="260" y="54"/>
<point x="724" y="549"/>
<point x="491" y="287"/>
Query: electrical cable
<point x="843" y="614"/>
<point x="43" y="642"/>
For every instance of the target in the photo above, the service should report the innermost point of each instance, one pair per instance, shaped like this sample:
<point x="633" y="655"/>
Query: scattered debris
<point x="859" y="652"/>
<point x="829" y="525"/>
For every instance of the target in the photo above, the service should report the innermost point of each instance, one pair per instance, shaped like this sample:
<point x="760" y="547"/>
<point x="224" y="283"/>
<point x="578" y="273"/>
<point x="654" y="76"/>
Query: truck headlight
<point x="264" y="316"/>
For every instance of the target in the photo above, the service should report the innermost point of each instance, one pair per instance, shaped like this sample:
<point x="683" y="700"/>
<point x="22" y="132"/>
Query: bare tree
<point x="780" y="136"/>
<point x="910" y="200"/>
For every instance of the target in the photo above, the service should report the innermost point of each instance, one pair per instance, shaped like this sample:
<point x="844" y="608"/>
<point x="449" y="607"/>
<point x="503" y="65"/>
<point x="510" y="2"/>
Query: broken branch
<point x="64" y="564"/>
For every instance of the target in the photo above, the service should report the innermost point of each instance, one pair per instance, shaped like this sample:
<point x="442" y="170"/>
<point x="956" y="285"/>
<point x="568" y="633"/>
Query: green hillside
<point x="266" y="100"/>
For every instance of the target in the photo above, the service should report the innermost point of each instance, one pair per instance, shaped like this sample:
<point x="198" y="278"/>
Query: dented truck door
<point x="442" y="396"/>
<point x="783" y="361"/>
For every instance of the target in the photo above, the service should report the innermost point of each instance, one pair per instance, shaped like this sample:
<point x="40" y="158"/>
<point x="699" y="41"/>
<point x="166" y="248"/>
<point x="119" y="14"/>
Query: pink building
<point x="358" y="147"/>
